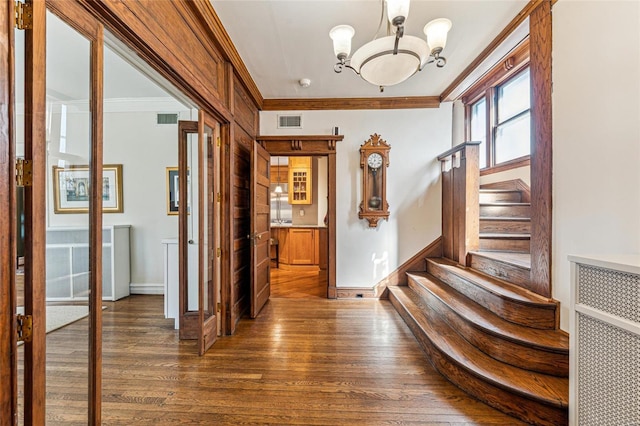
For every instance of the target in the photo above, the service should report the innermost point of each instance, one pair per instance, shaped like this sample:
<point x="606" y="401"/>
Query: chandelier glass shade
<point x="392" y="59"/>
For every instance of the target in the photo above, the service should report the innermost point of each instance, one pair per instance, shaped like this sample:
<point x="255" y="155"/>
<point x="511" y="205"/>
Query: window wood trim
<point x="517" y="60"/>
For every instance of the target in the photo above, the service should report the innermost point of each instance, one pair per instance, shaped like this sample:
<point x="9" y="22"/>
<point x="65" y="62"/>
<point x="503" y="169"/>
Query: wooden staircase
<point x="505" y="221"/>
<point x="481" y="326"/>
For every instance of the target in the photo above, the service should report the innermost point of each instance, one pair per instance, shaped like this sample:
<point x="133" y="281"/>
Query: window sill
<point x="508" y="165"/>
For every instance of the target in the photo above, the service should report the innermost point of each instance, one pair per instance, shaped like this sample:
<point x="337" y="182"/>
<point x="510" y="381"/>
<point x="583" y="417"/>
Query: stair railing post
<point x="460" y="201"/>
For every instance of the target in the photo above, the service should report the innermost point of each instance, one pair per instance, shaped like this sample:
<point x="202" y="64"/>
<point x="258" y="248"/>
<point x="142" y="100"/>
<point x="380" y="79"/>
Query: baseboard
<point x="146" y="288"/>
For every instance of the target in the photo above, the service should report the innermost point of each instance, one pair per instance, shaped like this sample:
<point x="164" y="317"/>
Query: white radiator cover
<point x="605" y="341"/>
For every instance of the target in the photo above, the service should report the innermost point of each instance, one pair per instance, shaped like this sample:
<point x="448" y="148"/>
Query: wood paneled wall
<point x="185" y="42"/>
<point x="241" y="219"/>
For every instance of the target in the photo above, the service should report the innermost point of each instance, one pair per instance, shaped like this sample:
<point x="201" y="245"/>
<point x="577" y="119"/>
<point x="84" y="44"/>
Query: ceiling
<point x="283" y="41"/>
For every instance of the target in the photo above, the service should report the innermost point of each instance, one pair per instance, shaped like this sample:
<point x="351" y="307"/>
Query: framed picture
<point x="173" y="191"/>
<point x="71" y="189"/>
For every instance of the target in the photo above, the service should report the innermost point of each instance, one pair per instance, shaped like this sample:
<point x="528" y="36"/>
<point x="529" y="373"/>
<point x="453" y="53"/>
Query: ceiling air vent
<point x="289" y="122"/>
<point x="167" y="118"/>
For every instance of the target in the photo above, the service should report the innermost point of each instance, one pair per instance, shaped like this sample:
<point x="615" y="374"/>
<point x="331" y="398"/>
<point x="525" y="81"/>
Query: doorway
<point x="299" y="216"/>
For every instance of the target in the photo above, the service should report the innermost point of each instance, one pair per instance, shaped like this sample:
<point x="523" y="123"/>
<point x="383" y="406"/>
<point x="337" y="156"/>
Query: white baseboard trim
<point x="146" y="288"/>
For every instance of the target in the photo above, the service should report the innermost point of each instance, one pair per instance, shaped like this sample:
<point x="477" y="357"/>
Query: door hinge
<point x="24" y="16"/>
<point x="24" y="172"/>
<point x="219" y="197"/>
<point x="219" y="307"/>
<point x="218" y="141"/>
<point x="218" y="252"/>
<point x="24" y="327"/>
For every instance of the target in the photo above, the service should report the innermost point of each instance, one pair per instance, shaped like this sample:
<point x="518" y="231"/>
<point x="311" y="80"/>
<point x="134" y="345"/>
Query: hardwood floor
<point x="302" y="361"/>
<point x="298" y="284"/>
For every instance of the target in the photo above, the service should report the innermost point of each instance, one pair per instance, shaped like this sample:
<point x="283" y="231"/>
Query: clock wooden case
<point x="374" y="160"/>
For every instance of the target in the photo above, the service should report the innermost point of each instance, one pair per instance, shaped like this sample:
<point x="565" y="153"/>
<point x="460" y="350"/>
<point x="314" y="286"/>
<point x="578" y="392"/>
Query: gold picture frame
<point x="173" y="191"/>
<point x="71" y="189"/>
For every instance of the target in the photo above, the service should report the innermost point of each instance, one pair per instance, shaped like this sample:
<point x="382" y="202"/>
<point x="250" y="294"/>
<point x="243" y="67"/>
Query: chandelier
<point x="392" y="59"/>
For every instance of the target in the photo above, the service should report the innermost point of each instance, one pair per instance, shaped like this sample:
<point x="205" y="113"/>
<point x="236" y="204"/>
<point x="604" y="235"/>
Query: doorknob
<point x="190" y="241"/>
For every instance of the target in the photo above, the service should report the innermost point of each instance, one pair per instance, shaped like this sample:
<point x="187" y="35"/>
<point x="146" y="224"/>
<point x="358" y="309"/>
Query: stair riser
<point x="515" y="405"/>
<point x="507" y="351"/>
<point x="505" y="211"/>
<point x="505" y="244"/>
<point x="527" y="315"/>
<point x="505" y="227"/>
<point x="504" y="271"/>
<point x="500" y="197"/>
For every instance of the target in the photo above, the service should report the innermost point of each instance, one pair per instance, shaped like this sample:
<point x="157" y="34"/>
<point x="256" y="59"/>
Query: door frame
<point x="314" y="146"/>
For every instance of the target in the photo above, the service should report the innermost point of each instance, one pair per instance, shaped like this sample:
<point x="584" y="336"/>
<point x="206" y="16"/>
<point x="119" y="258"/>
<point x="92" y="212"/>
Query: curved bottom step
<point x="534" y="398"/>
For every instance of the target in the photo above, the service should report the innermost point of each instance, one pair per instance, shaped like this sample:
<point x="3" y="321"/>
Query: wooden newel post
<point x="460" y="201"/>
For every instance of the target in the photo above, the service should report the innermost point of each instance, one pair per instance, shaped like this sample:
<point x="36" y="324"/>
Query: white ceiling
<point x="282" y="41"/>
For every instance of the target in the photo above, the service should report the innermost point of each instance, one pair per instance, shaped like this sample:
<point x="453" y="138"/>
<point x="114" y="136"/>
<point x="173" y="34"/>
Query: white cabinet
<point x="171" y="288"/>
<point x="604" y="385"/>
<point x="68" y="263"/>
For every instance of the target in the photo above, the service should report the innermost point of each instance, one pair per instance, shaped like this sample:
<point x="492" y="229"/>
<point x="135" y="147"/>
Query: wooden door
<point x="260" y="229"/>
<point x="199" y="249"/>
<point x="25" y="401"/>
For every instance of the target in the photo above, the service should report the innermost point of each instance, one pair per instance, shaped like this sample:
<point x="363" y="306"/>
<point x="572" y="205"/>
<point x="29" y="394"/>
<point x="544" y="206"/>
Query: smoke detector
<point x="304" y="82"/>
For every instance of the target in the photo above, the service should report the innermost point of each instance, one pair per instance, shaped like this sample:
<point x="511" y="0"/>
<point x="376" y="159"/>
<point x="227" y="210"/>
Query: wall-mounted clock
<point x="374" y="160"/>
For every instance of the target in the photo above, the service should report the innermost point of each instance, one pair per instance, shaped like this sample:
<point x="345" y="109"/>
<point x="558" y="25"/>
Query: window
<point x="500" y="118"/>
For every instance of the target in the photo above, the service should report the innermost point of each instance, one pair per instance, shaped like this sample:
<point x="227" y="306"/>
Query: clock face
<point x="374" y="160"/>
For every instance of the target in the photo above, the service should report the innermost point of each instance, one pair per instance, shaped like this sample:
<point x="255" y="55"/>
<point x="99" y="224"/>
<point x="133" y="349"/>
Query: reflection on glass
<point x="479" y="128"/>
<point x="192" y="219"/>
<point x="68" y="133"/>
<point x="514" y="97"/>
<point x="18" y="138"/>
<point x="513" y="139"/>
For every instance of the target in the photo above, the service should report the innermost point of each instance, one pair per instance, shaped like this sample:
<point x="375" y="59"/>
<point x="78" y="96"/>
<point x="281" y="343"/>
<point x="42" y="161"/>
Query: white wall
<point x="522" y="173"/>
<point x="366" y="255"/>
<point x="596" y="133"/>
<point x="132" y="138"/>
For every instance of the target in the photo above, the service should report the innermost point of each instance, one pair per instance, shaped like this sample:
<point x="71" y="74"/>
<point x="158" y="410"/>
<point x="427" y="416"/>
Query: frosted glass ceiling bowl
<point x="377" y="64"/>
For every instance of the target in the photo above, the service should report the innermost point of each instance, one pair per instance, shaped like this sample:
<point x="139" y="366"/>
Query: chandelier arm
<point x="338" y="67"/>
<point x="375" y="36"/>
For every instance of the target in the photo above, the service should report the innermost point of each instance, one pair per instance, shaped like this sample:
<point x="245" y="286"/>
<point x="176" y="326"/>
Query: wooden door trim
<point x="35" y="206"/>
<point x="540" y="29"/>
<point x="314" y="145"/>
<point x="8" y="356"/>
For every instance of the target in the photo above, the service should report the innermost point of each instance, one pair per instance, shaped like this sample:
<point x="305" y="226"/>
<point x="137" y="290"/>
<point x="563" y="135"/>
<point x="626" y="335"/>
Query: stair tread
<point x="505" y="203"/>
<point x="505" y="218"/>
<point x="547" y="389"/>
<point x="550" y="340"/>
<point x="493" y="285"/>
<point x="505" y="236"/>
<point x="519" y="260"/>
<point x="498" y="191"/>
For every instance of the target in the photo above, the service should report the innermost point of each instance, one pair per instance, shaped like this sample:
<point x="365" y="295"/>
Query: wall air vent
<point x="168" y="118"/>
<point x="289" y="122"/>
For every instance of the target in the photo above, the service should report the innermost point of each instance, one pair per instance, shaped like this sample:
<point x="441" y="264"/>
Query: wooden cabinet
<point x="299" y="247"/>
<point x="300" y="180"/>
<point x="302" y="243"/>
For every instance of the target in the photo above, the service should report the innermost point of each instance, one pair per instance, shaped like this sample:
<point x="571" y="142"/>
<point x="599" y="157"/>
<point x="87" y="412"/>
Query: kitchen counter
<point x="299" y="246"/>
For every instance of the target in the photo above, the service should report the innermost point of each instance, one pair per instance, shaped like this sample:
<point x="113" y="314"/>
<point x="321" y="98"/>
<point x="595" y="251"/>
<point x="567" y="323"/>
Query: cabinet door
<point x="302" y="246"/>
<point x="300" y="180"/>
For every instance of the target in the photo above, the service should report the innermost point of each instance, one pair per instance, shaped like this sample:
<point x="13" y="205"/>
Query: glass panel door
<point x="68" y="249"/>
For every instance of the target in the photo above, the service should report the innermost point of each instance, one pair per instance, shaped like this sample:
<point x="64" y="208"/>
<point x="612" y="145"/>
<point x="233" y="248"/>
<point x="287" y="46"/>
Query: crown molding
<point x="206" y="11"/>
<point x="318" y="104"/>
